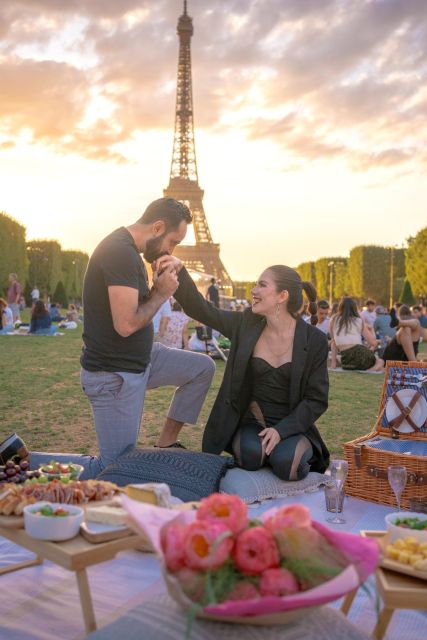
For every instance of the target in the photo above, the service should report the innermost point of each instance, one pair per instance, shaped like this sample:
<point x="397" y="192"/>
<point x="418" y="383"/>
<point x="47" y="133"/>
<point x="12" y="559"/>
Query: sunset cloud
<point x="322" y="80"/>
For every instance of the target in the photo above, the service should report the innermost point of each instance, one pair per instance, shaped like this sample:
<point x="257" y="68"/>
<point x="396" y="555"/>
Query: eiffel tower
<point x="183" y="182"/>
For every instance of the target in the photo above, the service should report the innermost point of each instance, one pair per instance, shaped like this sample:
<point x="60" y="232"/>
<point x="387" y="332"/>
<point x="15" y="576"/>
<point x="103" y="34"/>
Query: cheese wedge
<point x="106" y="514"/>
<point x="151" y="492"/>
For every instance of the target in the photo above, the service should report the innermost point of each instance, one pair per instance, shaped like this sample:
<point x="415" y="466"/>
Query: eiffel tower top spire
<point x="203" y="256"/>
<point x="184" y="153"/>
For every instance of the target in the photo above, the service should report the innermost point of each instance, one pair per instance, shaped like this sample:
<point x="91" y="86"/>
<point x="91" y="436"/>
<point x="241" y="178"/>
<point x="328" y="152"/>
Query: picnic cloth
<point x="42" y="603"/>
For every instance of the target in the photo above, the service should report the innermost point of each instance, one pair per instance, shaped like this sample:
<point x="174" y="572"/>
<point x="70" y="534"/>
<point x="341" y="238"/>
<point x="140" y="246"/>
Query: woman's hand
<point x="166" y="261"/>
<point x="270" y="438"/>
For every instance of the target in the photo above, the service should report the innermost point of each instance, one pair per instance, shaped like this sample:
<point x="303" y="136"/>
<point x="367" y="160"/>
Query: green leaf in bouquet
<point x="310" y="572"/>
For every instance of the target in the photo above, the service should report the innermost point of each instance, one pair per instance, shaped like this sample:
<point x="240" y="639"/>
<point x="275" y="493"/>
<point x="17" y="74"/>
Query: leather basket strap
<point x="405" y="412"/>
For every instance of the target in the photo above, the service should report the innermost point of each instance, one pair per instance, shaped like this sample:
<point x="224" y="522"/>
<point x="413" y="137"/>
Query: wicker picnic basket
<point x="369" y="456"/>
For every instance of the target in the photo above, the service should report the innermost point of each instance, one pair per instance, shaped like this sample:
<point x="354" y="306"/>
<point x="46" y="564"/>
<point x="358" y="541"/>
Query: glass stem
<point x="337" y="502"/>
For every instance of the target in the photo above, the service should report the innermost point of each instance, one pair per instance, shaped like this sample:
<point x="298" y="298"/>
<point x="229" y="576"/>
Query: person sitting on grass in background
<point x="404" y="346"/>
<point x="6" y="317"/>
<point x="347" y="329"/>
<point x="71" y="318"/>
<point x="41" y="322"/>
<point x="175" y="335"/>
<point x="417" y="312"/>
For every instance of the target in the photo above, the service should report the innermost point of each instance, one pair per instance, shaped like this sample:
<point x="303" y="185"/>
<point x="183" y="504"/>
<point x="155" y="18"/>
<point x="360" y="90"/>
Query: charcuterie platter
<point x="13" y="497"/>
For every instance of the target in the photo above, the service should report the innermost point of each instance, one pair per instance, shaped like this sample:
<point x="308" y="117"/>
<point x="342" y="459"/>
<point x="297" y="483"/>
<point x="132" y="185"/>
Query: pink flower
<point x="298" y="543"/>
<point x="243" y="591"/>
<point x="294" y="515"/>
<point x="172" y="541"/>
<point x="201" y="546"/>
<point x="278" y="582"/>
<point x="230" y="510"/>
<point x="192" y="583"/>
<point x="255" y="551"/>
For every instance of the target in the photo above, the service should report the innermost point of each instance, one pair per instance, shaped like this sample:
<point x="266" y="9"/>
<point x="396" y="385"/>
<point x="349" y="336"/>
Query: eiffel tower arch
<point x="183" y="185"/>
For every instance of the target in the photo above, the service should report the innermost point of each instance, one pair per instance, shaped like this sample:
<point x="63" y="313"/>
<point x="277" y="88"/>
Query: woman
<point x="404" y="345"/>
<point x="175" y="334"/>
<point x="347" y="329"/>
<point x="6" y="317"/>
<point x="40" y="319"/>
<point x="275" y="383"/>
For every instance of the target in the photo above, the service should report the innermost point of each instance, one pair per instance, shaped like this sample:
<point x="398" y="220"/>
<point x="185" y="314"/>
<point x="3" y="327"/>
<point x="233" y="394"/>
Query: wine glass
<point x="397" y="477"/>
<point x="339" y="470"/>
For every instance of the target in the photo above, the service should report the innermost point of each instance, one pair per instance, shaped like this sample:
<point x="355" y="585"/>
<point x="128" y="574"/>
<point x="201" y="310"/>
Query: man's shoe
<point x="13" y="446"/>
<point x="175" y="445"/>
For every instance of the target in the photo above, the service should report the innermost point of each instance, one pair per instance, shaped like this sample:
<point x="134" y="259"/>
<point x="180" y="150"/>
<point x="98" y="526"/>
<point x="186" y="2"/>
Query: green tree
<point x="74" y="264"/>
<point x="370" y="272"/>
<point x="60" y="295"/>
<point x="27" y="294"/>
<point x="406" y="295"/>
<point x="416" y="263"/>
<point x="307" y="272"/>
<point x="13" y="257"/>
<point x="45" y="265"/>
<point x="323" y="276"/>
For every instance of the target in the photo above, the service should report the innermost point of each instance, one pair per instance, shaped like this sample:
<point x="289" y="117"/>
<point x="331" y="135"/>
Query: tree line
<point x="370" y="271"/>
<point x="57" y="273"/>
<point x="382" y="273"/>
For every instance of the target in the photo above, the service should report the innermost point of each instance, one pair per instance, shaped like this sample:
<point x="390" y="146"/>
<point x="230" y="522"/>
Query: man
<point x="369" y="314"/>
<point x="14" y="294"/>
<point x="323" y="316"/>
<point x="212" y="293"/>
<point x="35" y="294"/>
<point x="417" y="312"/>
<point x="119" y="361"/>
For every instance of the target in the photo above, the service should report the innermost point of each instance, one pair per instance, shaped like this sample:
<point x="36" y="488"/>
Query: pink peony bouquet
<point x="217" y="559"/>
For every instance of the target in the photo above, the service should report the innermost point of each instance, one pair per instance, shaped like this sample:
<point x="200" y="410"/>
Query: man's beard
<point x="152" y="249"/>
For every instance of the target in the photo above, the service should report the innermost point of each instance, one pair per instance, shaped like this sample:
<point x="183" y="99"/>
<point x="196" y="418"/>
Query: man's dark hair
<point x="213" y="280"/>
<point x="417" y="307"/>
<point x="369" y="301"/>
<point x="169" y="210"/>
<point x="323" y="304"/>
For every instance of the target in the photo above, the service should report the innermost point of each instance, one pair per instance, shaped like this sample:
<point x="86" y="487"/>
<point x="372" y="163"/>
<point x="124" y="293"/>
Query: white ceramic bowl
<point x="51" y="527"/>
<point x="402" y="532"/>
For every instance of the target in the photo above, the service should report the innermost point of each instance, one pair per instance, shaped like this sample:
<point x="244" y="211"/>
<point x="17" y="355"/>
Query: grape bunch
<point x="16" y="471"/>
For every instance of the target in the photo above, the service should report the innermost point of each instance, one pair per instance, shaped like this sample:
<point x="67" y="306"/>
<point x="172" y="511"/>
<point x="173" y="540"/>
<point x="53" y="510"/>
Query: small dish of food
<point x="52" y="520"/>
<point x="407" y="524"/>
<point x="54" y="470"/>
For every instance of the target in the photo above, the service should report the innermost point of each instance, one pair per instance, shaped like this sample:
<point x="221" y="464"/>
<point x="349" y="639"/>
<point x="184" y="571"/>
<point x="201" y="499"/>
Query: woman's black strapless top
<point x="271" y="389"/>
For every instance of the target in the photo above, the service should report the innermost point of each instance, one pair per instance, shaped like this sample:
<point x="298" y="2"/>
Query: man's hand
<point x="167" y="261"/>
<point x="269" y="439"/>
<point x="166" y="283"/>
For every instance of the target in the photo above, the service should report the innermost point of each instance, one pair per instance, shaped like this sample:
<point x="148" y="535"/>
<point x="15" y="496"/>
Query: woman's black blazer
<point x="309" y="374"/>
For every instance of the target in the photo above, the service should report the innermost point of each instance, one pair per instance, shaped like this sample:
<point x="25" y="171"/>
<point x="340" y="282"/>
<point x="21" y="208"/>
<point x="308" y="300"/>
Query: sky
<point x="310" y="121"/>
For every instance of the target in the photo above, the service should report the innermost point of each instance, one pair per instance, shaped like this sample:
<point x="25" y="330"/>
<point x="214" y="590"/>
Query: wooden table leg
<point x="86" y="600"/>
<point x="21" y="565"/>
<point x="383" y="622"/>
<point x="348" y="601"/>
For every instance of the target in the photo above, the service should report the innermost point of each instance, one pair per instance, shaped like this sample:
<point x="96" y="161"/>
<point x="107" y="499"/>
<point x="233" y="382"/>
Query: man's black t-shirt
<point x="115" y="261"/>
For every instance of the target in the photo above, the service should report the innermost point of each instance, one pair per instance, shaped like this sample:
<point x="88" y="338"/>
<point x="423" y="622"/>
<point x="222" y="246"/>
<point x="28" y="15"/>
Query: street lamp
<point x="331" y="278"/>
<point x="392" y="248"/>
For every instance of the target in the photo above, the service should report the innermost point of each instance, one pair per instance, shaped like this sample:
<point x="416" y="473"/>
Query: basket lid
<point x="403" y="405"/>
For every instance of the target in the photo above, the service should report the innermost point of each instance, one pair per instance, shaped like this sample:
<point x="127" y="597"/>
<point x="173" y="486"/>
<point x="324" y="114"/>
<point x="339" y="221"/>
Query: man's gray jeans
<point x="117" y="400"/>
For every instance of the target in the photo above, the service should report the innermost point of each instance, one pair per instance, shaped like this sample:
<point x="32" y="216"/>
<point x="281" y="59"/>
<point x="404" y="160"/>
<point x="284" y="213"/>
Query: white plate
<point x="418" y="413"/>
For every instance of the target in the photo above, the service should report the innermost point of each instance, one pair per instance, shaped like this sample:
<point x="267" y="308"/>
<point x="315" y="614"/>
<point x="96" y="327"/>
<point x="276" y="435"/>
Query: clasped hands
<point x="165" y="278"/>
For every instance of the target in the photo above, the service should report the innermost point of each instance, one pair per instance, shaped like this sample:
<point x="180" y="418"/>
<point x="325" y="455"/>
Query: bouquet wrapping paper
<point x="360" y="553"/>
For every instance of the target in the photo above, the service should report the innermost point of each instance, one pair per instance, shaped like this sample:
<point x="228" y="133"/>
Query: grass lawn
<point x="41" y="399"/>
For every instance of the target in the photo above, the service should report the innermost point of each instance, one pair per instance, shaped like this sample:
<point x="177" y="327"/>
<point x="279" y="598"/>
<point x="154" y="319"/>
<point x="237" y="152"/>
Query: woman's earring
<point x="277" y="310"/>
